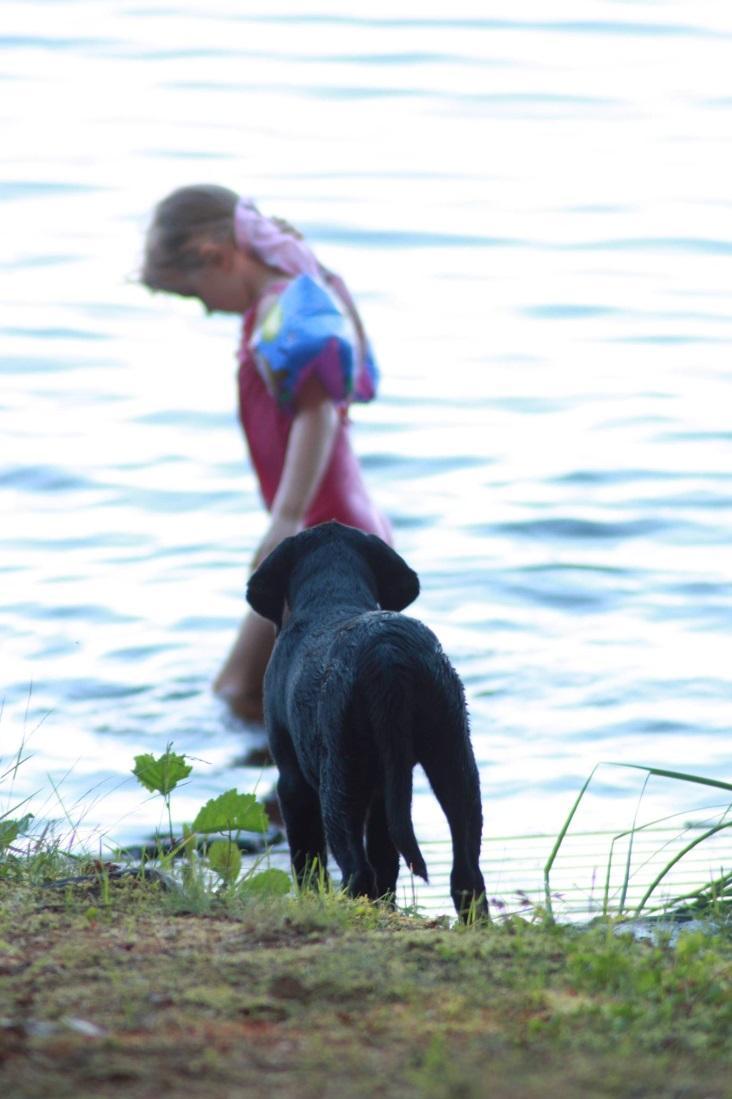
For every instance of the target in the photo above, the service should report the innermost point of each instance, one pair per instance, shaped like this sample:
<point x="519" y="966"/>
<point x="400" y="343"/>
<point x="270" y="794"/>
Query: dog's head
<point x="395" y="585"/>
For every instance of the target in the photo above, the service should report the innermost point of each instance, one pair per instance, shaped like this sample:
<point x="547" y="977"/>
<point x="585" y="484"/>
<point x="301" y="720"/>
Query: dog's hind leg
<point x="304" y="827"/>
<point x="449" y="764"/>
<point x="380" y="850"/>
<point x="344" y="817"/>
<point x="300" y="807"/>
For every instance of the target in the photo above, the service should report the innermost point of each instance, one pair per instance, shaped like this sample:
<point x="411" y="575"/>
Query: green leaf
<point x="163" y="774"/>
<point x="11" y="829"/>
<point x="225" y="859"/>
<point x="231" y="812"/>
<point x="268" y="883"/>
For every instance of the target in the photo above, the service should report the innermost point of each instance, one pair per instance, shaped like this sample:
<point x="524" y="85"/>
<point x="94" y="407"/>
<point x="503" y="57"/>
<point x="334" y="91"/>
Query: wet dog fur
<point x="354" y="695"/>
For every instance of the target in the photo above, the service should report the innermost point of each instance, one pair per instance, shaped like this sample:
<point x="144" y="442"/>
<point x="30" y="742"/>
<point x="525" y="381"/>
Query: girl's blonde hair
<point x="198" y="214"/>
<point x="180" y="223"/>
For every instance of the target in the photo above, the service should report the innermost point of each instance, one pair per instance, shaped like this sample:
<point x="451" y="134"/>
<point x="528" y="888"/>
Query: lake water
<point x="533" y="210"/>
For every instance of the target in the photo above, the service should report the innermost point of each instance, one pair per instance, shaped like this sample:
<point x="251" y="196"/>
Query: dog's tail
<point x="391" y="706"/>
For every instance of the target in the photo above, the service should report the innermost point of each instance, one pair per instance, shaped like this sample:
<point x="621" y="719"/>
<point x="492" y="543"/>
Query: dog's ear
<point x="397" y="585"/>
<point x="267" y="586"/>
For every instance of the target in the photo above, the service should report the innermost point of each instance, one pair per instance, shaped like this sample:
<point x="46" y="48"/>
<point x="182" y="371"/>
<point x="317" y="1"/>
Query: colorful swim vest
<point x="309" y="331"/>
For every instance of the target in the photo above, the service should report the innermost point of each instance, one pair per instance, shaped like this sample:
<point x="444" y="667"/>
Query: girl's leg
<point x="240" y="680"/>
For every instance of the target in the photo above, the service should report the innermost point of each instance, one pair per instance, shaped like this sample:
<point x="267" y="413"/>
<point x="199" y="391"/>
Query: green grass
<point x="125" y="992"/>
<point x="713" y="898"/>
<point x="228" y="982"/>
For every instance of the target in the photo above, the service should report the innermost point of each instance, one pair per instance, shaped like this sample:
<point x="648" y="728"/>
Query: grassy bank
<point x="124" y="990"/>
<point x="206" y="976"/>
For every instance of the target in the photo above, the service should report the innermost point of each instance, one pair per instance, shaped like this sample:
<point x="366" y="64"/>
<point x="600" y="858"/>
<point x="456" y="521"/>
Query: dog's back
<point x="389" y="698"/>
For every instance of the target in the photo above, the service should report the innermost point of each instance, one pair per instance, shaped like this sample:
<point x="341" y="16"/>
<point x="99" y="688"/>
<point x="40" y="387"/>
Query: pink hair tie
<point x="271" y="244"/>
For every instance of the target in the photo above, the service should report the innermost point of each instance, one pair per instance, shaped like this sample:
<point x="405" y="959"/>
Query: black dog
<point x="354" y="696"/>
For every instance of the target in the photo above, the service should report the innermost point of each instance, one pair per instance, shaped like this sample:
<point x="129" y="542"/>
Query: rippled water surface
<point x="533" y="210"/>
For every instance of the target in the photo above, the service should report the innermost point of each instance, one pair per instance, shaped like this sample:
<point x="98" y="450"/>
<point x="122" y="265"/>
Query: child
<point x="303" y="358"/>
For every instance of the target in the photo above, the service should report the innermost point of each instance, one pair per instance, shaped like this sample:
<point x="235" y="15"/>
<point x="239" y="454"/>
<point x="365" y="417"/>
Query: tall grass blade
<point x="659" y="772"/>
<point x="677" y="858"/>
<point x="558" y="844"/>
<point x="629" y="859"/>
<point x="644" y="828"/>
<point x="679" y="775"/>
<point x="713" y="890"/>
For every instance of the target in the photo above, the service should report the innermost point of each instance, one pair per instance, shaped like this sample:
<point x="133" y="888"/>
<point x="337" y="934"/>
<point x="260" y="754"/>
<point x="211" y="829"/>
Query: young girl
<point x="304" y="358"/>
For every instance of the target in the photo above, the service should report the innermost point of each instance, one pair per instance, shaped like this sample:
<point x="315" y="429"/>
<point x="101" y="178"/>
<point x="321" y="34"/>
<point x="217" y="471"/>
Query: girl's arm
<point x="309" y="448"/>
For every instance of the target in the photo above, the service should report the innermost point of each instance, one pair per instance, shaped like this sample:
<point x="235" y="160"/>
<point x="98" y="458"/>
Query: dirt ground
<point x="303" y="999"/>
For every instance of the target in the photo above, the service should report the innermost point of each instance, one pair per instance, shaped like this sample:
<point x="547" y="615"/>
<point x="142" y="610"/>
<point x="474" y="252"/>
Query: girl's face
<point x="227" y="280"/>
<point x="216" y="291"/>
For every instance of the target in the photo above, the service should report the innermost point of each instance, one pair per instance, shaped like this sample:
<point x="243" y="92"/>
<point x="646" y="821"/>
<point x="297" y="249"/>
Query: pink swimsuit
<point x="342" y="494"/>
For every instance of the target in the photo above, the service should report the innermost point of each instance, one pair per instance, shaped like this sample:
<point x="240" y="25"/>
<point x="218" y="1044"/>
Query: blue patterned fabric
<point x="308" y="331"/>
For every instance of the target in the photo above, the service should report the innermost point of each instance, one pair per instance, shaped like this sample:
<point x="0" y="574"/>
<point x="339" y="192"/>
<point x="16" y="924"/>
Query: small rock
<point x="84" y="1027"/>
